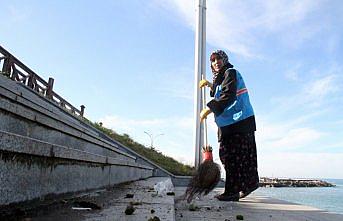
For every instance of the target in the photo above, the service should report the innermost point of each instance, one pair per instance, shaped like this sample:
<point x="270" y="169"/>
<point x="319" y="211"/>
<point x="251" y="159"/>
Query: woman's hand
<point x="204" y="83"/>
<point x="204" y="113"/>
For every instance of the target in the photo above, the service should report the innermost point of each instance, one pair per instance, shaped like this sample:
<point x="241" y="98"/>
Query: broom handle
<point x="203" y="93"/>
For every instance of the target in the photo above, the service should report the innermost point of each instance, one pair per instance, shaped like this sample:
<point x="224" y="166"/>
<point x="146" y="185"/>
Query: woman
<point x="235" y="119"/>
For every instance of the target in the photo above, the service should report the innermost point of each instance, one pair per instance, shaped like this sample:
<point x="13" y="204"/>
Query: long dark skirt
<point x="237" y="153"/>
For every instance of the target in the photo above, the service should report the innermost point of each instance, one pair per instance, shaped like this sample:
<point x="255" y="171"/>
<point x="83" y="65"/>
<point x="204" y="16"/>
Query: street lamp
<point x="152" y="137"/>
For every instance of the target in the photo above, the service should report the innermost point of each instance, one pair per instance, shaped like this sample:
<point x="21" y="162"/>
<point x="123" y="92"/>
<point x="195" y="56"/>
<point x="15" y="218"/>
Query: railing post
<point x="62" y="104"/>
<point x="49" y="92"/>
<point x="31" y="80"/>
<point x="82" y="110"/>
<point x="6" y="68"/>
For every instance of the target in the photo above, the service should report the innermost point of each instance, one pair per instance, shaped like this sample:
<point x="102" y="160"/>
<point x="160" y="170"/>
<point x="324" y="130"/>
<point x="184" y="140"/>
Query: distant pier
<point x="286" y="182"/>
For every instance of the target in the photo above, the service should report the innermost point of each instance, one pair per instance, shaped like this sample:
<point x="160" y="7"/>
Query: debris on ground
<point x="193" y="207"/>
<point x="81" y="208"/>
<point x="129" y="210"/>
<point x="155" y="218"/>
<point x="171" y="194"/>
<point x="239" y="217"/>
<point x="163" y="187"/>
<point x="86" y="204"/>
<point x="152" y="211"/>
<point x="129" y="195"/>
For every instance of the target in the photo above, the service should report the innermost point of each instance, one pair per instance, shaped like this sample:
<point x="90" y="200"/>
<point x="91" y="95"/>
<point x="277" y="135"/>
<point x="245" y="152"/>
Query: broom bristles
<point x="204" y="181"/>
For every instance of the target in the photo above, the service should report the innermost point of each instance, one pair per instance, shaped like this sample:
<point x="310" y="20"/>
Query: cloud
<point x="321" y="88"/>
<point x="297" y="138"/>
<point x="314" y="93"/>
<point x="241" y="27"/>
<point x="294" y="123"/>
<point x="279" y="14"/>
<point x="293" y="73"/>
<point x="286" y="135"/>
<point x="301" y="165"/>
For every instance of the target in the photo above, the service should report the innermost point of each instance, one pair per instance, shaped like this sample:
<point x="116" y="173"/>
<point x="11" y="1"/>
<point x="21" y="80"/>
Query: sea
<point x="326" y="198"/>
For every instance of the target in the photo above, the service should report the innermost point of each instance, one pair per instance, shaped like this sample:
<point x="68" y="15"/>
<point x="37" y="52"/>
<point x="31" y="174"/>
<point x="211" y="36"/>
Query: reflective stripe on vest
<point x="241" y="91"/>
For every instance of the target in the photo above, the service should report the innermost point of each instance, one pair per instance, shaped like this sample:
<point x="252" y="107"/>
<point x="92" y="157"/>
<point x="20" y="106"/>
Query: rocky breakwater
<point x="285" y="182"/>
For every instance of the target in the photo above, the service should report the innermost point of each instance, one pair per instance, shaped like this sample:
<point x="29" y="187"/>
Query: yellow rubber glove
<point x="204" y="83"/>
<point x="204" y="113"/>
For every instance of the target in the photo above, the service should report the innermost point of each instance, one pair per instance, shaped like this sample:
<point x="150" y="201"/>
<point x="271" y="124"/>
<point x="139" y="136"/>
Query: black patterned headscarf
<point x="221" y="54"/>
<point x="218" y="77"/>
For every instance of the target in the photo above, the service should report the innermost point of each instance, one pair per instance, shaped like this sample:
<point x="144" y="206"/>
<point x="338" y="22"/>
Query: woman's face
<point x="217" y="64"/>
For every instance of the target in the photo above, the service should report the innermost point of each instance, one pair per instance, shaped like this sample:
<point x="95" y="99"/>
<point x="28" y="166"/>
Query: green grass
<point x="155" y="156"/>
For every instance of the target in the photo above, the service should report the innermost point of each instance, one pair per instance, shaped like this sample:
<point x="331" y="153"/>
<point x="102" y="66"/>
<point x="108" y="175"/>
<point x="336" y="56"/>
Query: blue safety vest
<point x="240" y="109"/>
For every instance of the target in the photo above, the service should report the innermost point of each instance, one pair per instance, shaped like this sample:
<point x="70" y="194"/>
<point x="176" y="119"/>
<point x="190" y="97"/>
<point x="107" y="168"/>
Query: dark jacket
<point x="227" y="80"/>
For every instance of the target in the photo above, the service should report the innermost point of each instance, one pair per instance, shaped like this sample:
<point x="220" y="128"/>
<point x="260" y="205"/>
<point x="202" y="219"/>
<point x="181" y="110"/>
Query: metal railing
<point x="14" y="69"/>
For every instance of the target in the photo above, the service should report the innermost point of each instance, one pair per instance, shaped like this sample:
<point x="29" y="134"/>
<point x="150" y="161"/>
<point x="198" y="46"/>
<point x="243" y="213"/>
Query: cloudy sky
<point x="131" y="63"/>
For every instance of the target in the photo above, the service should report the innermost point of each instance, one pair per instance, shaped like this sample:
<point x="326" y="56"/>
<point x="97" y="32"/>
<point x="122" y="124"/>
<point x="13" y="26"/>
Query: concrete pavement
<point x="252" y="208"/>
<point x="147" y="205"/>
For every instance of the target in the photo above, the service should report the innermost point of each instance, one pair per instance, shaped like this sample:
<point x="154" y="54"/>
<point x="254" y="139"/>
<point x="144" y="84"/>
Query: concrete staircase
<point x="47" y="151"/>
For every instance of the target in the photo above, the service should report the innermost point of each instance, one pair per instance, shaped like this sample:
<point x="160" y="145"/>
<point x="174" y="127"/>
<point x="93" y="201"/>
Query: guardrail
<point x="17" y="71"/>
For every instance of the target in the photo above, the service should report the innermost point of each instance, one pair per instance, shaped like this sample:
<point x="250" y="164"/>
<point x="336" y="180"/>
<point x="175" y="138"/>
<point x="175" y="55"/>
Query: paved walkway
<point x="147" y="205"/>
<point x="252" y="208"/>
<point x="139" y="195"/>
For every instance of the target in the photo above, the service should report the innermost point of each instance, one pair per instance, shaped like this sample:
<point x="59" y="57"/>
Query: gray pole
<point x="200" y="64"/>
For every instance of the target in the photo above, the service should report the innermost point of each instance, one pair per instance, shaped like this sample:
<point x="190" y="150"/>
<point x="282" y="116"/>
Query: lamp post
<point x="199" y="73"/>
<point x="152" y="137"/>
